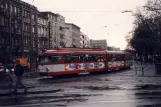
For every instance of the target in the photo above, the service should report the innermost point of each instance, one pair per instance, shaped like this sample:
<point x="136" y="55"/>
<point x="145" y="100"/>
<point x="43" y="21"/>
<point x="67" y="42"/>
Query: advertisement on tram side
<point x="82" y="66"/>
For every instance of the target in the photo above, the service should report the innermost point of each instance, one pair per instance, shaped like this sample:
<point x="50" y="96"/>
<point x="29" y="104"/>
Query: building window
<point x="26" y="42"/>
<point x="2" y="21"/>
<point x="33" y="42"/>
<point x="28" y="14"/>
<point x="11" y="8"/>
<point x="38" y="20"/>
<point x="39" y="30"/>
<point x="33" y="29"/>
<point x="16" y="42"/>
<point x="24" y="13"/>
<point x="2" y="6"/>
<point x="33" y="17"/>
<point x="16" y="24"/>
<point x="26" y="27"/>
<point x="44" y="31"/>
<point x="18" y="10"/>
<point x="29" y="42"/>
<point x="13" y="41"/>
<point x="15" y="9"/>
<point x="3" y="41"/>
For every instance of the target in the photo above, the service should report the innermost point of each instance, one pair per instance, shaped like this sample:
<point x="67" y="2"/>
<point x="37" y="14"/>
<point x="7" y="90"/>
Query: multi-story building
<point x="87" y="43"/>
<point x="18" y="29"/>
<point x="57" y="29"/>
<point x="61" y="38"/>
<point x="68" y="36"/>
<point x="62" y="34"/>
<point x="84" y="41"/>
<point x="98" y="44"/>
<point x="74" y="36"/>
<point x="52" y="27"/>
<point x="43" y="32"/>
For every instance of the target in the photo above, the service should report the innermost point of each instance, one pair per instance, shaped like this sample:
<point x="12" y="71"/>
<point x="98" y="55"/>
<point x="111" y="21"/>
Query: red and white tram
<point x="74" y="60"/>
<point x="115" y="60"/>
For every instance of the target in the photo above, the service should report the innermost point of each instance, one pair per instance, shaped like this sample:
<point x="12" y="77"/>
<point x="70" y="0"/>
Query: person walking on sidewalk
<point x="18" y="71"/>
<point x="8" y="67"/>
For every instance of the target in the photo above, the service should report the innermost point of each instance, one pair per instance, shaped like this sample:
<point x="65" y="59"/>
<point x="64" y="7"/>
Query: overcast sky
<point x="99" y="19"/>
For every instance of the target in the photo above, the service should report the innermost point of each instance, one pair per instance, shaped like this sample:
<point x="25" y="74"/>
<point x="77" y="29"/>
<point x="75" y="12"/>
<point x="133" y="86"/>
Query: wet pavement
<point x="123" y="88"/>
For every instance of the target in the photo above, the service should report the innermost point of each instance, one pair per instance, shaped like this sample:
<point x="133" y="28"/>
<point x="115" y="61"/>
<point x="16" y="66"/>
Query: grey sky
<point x="99" y="19"/>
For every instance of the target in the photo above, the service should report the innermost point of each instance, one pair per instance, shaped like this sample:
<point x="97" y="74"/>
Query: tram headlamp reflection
<point x="7" y="70"/>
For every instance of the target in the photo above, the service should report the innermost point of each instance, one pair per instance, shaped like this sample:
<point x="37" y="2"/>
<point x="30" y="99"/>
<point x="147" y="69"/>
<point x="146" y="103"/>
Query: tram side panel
<point x="71" y="64"/>
<point x="99" y="63"/>
<point x="115" y="61"/>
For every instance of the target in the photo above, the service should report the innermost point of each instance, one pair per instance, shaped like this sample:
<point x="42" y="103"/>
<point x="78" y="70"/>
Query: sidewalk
<point x="145" y="69"/>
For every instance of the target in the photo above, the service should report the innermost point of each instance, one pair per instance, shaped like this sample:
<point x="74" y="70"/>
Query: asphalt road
<point x="124" y="88"/>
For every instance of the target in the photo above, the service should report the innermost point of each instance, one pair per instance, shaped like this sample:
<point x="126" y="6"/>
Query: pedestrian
<point x="9" y="66"/>
<point x="18" y="71"/>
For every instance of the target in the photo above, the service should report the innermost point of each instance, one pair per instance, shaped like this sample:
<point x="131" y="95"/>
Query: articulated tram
<point x="65" y="61"/>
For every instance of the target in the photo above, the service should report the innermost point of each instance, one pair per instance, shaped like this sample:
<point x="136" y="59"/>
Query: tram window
<point x="48" y="59"/>
<point x="110" y="57"/>
<point x="95" y="58"/>
<point x="90" y="59"/>
<point x="45" y="60"/>
<point x="119" y="57"/>
<point x="114" y="57"/>
<point x="100" y="58"/>
<point x="82" y="58"/>
<point x="75" y="58"/>
<point x="56" y="58"/>
<point x="67" y="58"/>
<point x="85" y="59"/>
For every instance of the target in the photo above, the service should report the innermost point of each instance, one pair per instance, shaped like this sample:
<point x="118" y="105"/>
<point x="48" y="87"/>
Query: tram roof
<point x="78" y="49"/>
<point x="73" y="51"/>
<point x="115" y="52"/>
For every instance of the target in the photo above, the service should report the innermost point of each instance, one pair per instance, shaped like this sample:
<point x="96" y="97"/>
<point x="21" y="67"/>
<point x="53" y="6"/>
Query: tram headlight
<point x="7" y="70"/>
<point x="1" y="70"/>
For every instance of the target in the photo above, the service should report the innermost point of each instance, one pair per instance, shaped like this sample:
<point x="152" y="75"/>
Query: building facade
<point x="61" y="30"/>
<point x="74" y="36"/>
<point x="84" y="41"/>
<point x="56" y="29"/>
<point x="68" y="36"/>
<point x="18" y="29"/>
<point x="98" y="44"/>
<point x="43" y="32"/>
<point x="52" y="27"/>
